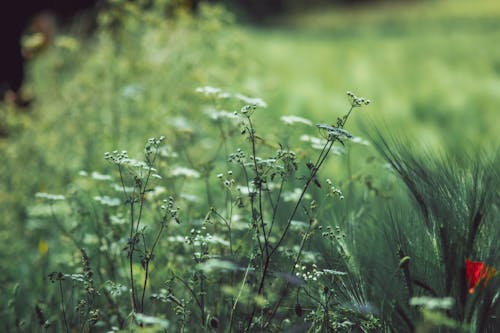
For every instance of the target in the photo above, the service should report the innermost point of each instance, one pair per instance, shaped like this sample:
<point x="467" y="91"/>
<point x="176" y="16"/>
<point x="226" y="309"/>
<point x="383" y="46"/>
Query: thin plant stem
<point x="276" y="205"/>
<point x="314" y="171"/>
<point x="258" y="178"/>
<point x="146" y="274"/>
<point x="131" y="249"/>
<point x="228" y="226"/>
<point x="202" y="299"/>
<point x="233" y="309"/>
<point x="190" y="290"/>
<point x="63" y="308"/>
<point x="251" y="203"/>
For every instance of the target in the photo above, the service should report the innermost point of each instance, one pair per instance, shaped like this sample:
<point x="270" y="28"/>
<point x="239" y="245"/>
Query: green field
<point x="377" y="244"/>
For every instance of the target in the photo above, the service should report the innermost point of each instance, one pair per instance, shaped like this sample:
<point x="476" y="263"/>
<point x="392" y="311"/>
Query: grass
<point x="364" y="246"/>
<point x="417" y="63"/>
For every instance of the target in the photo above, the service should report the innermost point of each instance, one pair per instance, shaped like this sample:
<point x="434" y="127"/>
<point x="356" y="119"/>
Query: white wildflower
<point x="295" y="195"/>
<point x="290" y="120"/>
<point x="99" y="176"/>
<point x="357" y="139"/>
<point x="251" y="100"/>
<point x="184" y="172"/>
<point x="51" y="197"/>
<point x="108" y="201"/>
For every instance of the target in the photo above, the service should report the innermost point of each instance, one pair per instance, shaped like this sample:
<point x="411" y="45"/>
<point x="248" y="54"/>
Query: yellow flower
<point x="43" y="247"/>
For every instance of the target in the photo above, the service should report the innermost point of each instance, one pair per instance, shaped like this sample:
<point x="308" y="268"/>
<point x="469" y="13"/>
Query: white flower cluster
<point x="213" y="92"/>
<point x="197" y="238"/>
<point x="184" y="172"/>
<point x="313" y="274"/>
<point x="219" y="93"/>
<point x="51" y="197"/>
<point x="357" y="101"/>
<point x="108" y="201"/>
<point x="290" y="120"/>
<point x="251" y="100"/>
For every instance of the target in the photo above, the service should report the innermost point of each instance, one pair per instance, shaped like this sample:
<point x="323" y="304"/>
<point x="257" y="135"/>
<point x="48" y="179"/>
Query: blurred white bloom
<point x="357" y="139"/>
<point x="295" y="195"/>
<point x="216" y="265"/>
<point x="157" y="190"/>
<point x="215" y="114"/>
<point x="99" y="176"/>
<point x="217" y="240"/>
<point x="180" y="124"/>
<point x="242" y="189"/>
<point x="120" y="188"/>
<point x="52" y="197"/>
<point x="208" y="91"/>
<point x="298" y="225"/>
<point x="117" y="220"/>
<point x="295" y="119"/>
<point x="318" y="143"/>
<point x="433" y="303"/>
<point x="167" y="151"/>
<point x="184" y="172"/>
<point x="190" y="197"/>
<point x="107" y="201"/>
<point x="131" y="91"/>
<point x="178" y="239"/>
<point x="251" y="100"/>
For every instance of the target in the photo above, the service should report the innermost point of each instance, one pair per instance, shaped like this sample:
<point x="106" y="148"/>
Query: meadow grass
<point x="416" y="70"/>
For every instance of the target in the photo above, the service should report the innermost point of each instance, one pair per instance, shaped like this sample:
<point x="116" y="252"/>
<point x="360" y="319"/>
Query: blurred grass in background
<point x="432" y="70"/>
<point x="431" y="67"/>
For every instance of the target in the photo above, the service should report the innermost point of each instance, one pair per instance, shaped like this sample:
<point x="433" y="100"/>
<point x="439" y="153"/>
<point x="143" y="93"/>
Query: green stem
<point x="63" y="309"/>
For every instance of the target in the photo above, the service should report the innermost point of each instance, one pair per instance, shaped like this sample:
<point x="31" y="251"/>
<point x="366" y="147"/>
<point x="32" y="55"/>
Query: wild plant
<point x="242" y="249"/>
<point x="263" y="181"/>
<point x="413" y="256"/>
<point x="135" y="177"/>
<point x="252" y="221"/>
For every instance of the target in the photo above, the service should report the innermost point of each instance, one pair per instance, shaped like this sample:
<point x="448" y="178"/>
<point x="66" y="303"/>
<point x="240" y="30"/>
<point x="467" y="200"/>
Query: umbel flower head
<point x="477" y="271"/>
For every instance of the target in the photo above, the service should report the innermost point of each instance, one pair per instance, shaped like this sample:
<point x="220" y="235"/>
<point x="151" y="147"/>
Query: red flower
<point x="476" y="271"/>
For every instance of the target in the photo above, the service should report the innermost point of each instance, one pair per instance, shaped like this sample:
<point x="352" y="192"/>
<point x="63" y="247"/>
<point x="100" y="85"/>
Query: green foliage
<point x="418" y="247"/>
<point x="240" y="248"/>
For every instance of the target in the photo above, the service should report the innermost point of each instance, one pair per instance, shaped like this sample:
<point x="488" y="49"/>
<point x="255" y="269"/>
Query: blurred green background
<point x="430" y="68"/>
